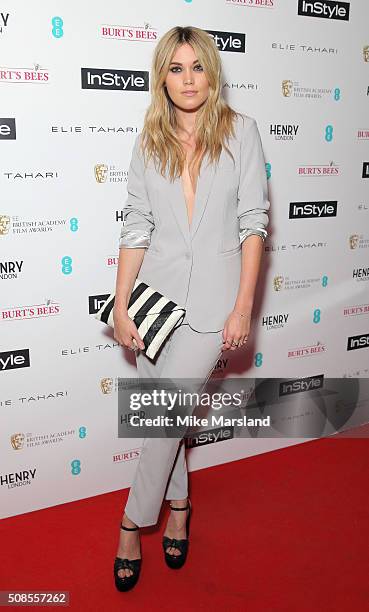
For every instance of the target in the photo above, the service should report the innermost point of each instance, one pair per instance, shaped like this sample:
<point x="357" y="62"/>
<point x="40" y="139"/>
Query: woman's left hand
<point x="236" y="330"/>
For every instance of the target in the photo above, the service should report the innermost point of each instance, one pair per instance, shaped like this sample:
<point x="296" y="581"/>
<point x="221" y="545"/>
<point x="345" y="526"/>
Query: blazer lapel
<point x="179" y="207"/>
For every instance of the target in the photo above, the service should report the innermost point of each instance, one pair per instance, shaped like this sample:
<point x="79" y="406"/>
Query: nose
<point x="187" y="76"/>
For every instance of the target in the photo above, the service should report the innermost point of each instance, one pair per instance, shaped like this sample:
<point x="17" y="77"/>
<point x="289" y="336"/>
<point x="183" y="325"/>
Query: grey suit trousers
<point x="162" y="467"/>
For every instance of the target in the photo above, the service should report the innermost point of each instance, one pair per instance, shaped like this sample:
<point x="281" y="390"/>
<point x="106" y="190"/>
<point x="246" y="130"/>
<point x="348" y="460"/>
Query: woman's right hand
<point x="125" y="331"/>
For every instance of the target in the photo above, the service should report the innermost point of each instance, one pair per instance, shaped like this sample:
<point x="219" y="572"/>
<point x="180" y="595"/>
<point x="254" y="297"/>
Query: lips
<point x="189" y="93"/>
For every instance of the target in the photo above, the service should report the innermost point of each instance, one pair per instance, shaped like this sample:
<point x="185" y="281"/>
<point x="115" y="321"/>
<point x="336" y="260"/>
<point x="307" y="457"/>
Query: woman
<point x="194" y="226"/>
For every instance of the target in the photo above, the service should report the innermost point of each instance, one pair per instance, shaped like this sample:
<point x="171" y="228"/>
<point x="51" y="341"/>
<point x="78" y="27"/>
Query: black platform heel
<point x="177" y="561"/>
<point x="127" y="582"/>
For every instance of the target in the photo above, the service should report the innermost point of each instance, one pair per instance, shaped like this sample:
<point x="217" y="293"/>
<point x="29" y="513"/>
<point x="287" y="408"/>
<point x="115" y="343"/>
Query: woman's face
<point x="186" y="83"/>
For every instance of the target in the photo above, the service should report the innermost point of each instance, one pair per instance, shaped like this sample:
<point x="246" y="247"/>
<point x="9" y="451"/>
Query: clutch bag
<point x="154" y="314"/>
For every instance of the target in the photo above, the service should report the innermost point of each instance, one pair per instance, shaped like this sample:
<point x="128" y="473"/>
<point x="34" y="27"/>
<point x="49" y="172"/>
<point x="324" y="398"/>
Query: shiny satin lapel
<point x="179" y="207"/>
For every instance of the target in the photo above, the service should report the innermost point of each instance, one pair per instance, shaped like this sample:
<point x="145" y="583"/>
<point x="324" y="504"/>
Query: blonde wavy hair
<point x="214" y="120"/>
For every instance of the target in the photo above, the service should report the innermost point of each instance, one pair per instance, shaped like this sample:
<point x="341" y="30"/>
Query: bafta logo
<point x="366" y="53"/>
<point x="101" y="171"/>
<point x="287" y="88"/>
<point x="278" y="283"/>
<point x="17" y="441"/>
<point x="4" y="225"/>
<point x="353" y="241"/>
<point x="106" y="385"/>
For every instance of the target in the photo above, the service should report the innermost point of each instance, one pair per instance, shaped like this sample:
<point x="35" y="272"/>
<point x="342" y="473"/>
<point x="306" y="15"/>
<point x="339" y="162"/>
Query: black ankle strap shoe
<point x="127" y="582"/>
<point x="177" y="561"/>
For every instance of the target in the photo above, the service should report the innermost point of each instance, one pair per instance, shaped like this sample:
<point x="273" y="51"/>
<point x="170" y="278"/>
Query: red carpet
<point x="284" y="531"/>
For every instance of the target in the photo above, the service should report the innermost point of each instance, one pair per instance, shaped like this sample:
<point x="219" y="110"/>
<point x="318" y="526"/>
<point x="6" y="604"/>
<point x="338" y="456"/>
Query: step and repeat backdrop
<point x="74" y="87"/>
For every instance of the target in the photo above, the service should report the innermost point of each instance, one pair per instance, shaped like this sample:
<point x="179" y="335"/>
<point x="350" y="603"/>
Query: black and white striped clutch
<point x="153" y="313"/>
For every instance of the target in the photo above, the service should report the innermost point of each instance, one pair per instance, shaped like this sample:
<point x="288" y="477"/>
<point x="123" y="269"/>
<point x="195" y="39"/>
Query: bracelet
<point x="246" y="314"/>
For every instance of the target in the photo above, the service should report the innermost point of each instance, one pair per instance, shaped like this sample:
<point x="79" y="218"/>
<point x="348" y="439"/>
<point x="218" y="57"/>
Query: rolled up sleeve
<point x="253" y="202"/>
<point x="138" y="221"/>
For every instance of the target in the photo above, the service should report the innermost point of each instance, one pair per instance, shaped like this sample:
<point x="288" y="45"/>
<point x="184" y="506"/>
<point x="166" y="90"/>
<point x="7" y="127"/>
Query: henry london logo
<point x="36" y="75"/>
<point x="293" y="89"/>
<point x="17" y="479"/>
<point x="112" y="79"/>
<point x="276" y="321"/>
<point x="312" y="210"/>
<point x="301" y="385"/>
<point x="360" y="274"/>
<point x="21" y="441"/>
<point x="358" y="241"/>
<point x="4" y="18"/>
<point x="365" y="173"/>
<point x="229" y="41"/>
<point x="283" y="131"/>
<point x="357" y="342"/>
<point x="108" y="173"/>
<point x="355" y="311"/>
<point x="329" y="9"/>
<point x="287" y="283"/>
<point x="253" y="3"/>
<point x="14" y="359"/>
<point x="10" y="269"/>
<point x="7" y="129"/>
<point x="129" y="455"/>
<point x="306" y="351"/>
<point x="330" y="169"/>
<point x="291" y="47"/>
<point x="143" y="33"/>
<point x="16" y="226"/>
<point x="34" y="311"/>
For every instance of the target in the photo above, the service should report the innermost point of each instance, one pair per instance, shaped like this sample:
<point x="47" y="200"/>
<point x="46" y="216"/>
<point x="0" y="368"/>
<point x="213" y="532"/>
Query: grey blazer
<point x="198" y="266"/>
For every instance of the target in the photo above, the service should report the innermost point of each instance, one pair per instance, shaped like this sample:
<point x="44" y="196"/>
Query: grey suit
<point x="197" y="266"/>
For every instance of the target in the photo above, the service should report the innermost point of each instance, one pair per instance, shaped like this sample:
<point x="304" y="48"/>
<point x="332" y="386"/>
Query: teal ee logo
<point x="268" y="169"/>
<point x="76" y="467"/>
<point x="316" y="315"/>
<point x="324" y="281"/>
<point x="66" y="264"/>
<point x="82" y="432"/>
<point x="73" y="224"/>
<point x="57" y="29"/>
<point x="337" y="94"/>
<point x="329" y="133"/>
<point x="258" y="360"/>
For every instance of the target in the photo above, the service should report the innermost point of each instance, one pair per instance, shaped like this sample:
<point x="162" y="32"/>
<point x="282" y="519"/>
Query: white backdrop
<point x="301" y="69"/>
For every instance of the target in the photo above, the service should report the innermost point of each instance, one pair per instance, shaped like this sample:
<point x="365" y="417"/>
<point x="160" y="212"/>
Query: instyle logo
<point x="357" y="342"/>
<point x="112" y="79"/>
<point x="310" y="383"/>
<point x="311" y="210"/>
<point x="229" y="41"/>
<point x="209" y="437"/>
<point x="329" y="9"/>
<point x="95" y="302"/>
<point x="15" y="359"/>
<point x="7" y="129"/>
<point x="365" y="173"/>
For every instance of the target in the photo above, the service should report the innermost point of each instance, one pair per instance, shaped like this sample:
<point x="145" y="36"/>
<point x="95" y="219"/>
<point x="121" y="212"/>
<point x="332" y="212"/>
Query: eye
<point x="175" y="69"/>
<point x="198" y="66"/>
